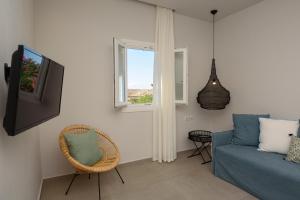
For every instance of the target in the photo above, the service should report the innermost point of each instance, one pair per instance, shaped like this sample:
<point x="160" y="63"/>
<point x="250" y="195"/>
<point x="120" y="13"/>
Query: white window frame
<point x="184" y="101"/>
<point x="129" y="44"/>
<point x="117" y="102"/>
<point x="148" y="46"/>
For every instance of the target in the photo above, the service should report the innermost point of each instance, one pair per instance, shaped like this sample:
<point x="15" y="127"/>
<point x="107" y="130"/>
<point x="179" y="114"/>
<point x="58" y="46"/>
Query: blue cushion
<point x="246" y="129"/>
<point x="265" y="175"/>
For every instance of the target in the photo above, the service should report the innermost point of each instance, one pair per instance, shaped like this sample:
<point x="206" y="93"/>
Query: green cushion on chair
<point x="84" y="147"/>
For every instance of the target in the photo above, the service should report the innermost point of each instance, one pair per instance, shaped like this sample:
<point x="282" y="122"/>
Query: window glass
<point x="122" y="73"/>
<point x="179" y="75"/>
<point x="140" y="76"/>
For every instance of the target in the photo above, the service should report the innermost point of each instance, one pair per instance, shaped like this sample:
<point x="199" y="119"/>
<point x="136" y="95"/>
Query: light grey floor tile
<point x="184" y="179"/>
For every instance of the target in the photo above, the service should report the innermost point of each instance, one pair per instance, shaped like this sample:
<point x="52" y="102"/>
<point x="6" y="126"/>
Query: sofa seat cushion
<point x="263" y="174"/>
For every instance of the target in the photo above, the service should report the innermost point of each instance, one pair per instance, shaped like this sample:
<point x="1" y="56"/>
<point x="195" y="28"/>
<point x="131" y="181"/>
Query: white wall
<point x="20" y="168"/>
<point x="79" y="35"/>
<point x="258" y="60"/>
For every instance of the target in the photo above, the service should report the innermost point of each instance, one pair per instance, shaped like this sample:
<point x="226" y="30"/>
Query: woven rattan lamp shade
<point x="213" y="96"/>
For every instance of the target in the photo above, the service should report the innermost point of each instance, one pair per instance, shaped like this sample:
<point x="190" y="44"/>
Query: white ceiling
<point x="201" y="8"/>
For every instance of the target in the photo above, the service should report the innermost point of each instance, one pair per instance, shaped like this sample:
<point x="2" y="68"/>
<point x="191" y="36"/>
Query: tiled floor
<point x="185" y="179"/>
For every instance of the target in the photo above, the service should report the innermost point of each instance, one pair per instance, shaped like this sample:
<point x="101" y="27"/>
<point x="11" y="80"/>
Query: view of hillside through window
<point x="140" y="76"/>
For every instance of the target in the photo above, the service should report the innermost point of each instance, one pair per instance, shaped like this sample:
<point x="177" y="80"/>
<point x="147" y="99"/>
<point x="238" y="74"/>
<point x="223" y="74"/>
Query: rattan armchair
<point x="109" y="161"/>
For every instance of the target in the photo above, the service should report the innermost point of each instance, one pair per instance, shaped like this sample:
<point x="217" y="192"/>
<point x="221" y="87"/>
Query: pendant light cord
<point x="213" y="12"/>
<point x="213" y="36"/>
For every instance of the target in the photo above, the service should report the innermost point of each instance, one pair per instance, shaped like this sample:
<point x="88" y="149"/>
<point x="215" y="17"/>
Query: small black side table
<point x="204" y="137"/>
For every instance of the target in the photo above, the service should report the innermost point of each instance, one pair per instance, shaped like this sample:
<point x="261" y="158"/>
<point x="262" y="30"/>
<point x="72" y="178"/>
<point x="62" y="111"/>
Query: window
<point x="134" y="63"/>
<point x="181" y="76"/>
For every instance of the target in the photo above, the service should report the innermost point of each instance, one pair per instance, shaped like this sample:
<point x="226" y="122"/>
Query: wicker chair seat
<point x="111" y="155"/>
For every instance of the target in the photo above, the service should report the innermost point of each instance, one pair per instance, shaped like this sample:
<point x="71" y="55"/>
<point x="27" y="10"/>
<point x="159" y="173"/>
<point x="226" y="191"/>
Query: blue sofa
<point x="267" y="176"/>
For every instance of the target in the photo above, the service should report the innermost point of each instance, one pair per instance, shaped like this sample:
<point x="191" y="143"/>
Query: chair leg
<point x="99" y="186"/>
<point x="119" y="175"/>
<point x="74" y="176"/>
<point x="89" y="176"/>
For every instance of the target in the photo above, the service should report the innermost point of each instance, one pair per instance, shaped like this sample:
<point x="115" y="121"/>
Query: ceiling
<point x="201" y="8"/>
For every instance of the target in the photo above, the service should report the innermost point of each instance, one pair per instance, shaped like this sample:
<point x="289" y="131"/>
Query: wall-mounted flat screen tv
<point x="34" y="90"/>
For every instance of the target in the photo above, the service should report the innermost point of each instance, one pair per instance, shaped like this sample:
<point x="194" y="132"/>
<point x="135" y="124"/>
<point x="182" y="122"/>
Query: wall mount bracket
<point x="6" y="72"/>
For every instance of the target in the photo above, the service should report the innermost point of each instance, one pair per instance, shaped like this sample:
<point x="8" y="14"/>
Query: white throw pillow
<point x="274" y="134"/>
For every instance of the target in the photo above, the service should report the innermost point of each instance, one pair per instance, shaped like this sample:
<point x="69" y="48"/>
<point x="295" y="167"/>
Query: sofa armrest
<point x="220" y="139"/>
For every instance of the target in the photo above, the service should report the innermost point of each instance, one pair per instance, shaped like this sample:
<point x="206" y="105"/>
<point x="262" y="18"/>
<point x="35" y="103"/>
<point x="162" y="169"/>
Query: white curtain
<point x="164" y="119"/>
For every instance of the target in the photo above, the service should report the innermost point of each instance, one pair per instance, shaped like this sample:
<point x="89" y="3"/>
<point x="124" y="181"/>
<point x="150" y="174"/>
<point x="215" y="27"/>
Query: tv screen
<point x="34" y="91"/>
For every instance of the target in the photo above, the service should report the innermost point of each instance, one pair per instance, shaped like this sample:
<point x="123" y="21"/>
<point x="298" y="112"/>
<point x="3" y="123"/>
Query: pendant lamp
<point x="213" y="96"/>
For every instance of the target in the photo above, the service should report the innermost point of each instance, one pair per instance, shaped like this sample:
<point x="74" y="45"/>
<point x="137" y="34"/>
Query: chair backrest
<point x="111" y="155"/>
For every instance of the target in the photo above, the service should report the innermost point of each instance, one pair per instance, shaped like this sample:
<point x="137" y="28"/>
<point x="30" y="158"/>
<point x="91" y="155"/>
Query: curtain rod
<point x="152" y="4"/>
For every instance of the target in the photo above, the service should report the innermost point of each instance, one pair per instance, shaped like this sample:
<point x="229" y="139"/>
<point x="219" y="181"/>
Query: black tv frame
<point x="12" y="78"/>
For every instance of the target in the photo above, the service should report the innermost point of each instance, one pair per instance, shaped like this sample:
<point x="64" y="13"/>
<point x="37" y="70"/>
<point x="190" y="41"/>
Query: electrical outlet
<point x="188" y="118"/>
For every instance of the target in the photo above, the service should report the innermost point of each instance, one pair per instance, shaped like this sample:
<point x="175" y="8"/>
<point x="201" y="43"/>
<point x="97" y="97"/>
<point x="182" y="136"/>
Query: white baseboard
<point x="40" y="190"/>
